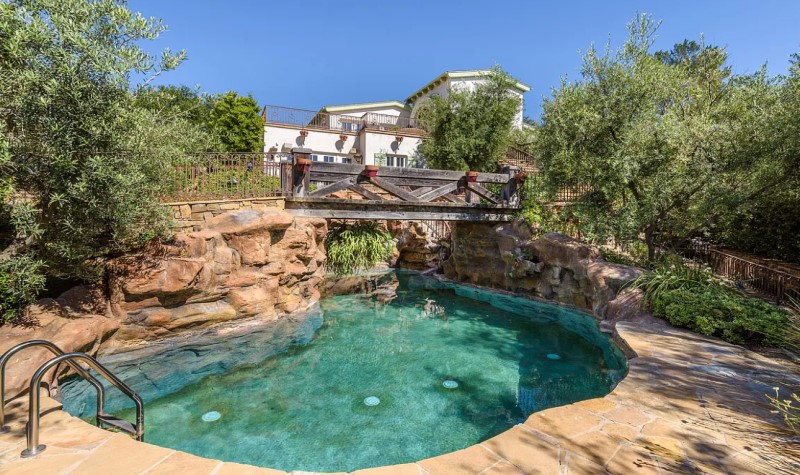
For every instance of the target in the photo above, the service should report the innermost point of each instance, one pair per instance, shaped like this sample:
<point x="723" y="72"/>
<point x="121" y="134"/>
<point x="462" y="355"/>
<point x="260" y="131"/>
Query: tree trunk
<point x="649" y="241"/>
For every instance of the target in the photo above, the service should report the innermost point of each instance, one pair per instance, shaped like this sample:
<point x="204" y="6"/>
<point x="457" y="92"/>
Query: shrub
<point x="357" y="247"/>
<point x="694" y="298"/>
<point x="21" y="280"/>
<point x="671" y="273"/>
<point x="618" y="257"/>
<point x="722" y="313"/>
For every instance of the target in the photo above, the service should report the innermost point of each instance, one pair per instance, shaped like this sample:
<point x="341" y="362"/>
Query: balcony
<point x="308" y="119"/>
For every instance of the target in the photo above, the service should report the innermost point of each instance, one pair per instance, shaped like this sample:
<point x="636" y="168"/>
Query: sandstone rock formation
<point x="418" y="246"/>
<point x="247" y="264"/>
<point x="552" y="267"/>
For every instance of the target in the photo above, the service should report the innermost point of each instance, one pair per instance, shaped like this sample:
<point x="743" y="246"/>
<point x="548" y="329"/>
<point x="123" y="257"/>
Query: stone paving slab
<point x="689" y="404"/>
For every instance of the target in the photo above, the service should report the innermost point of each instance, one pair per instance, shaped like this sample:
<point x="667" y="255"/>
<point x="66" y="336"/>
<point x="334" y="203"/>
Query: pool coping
<point x="670" y="413"/>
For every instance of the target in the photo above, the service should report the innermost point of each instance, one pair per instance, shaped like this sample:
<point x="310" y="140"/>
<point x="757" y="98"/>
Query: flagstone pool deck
<point x="689" y="404"/>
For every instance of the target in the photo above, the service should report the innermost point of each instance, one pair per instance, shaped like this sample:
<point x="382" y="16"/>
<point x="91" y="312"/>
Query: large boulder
<point x="249" y="264"/>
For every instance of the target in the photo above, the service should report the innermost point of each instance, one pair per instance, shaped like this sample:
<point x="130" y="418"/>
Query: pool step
<point x="114" y="421"/>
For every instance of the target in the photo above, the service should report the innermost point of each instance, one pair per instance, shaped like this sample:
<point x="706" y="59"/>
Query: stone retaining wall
<point x="193" y="215"/>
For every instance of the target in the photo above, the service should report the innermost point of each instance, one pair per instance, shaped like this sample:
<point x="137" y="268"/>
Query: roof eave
<point x="519" y="85"/>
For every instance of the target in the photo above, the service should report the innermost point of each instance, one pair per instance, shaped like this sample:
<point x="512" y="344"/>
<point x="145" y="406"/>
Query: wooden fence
<point x="776" y="284"/>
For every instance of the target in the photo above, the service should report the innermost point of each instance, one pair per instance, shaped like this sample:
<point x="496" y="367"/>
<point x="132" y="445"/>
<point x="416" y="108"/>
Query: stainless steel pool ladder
<point x="103" y="419"/>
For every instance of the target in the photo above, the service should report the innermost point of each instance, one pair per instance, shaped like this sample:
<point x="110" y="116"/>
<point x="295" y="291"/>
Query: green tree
<point x="176" y="101"/>
<point x="764" y="218"/>
<point x="81" y="165"/>
<point x="661" y="139"/>
<point x="236" y="123"/>
<point x="470" y="129"/>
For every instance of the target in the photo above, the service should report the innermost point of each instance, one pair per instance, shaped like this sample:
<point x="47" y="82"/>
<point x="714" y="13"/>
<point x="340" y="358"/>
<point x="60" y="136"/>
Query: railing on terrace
<point x="337" y="122"/>
<point x="221" y="176"/>
<point x="517" y="157"/>
<point x="747" y="274"/>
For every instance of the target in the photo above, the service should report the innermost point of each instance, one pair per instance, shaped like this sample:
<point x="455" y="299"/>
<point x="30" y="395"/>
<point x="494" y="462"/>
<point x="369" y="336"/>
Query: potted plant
<point x="472" y="176"/>
<point x="371" y="170"/>
<point x="303" y="133"/>
<point x="302" y="164"/>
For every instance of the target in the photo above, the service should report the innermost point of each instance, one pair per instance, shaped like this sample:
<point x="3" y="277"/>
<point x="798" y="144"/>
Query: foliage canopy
<point x="81" y="165"/>
<point x="672" y="144"/>
<point x="470" y="129"/>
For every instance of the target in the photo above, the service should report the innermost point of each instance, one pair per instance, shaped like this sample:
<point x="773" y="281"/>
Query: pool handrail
<point x="32" y="430"/>
<point x="57" y="352"/>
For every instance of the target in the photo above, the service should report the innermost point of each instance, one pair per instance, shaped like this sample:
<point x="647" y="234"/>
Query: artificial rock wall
<point x="247" y="265"/>
<point x="552" y="267"/>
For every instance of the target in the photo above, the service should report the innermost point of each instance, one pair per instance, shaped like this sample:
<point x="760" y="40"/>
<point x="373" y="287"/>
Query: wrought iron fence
<point x="225" y="176"/>
<point x="747" y="274"/>
<point x="338" y="122"/>
<point x="517" y="157"/>
<point x="571" y="194"/>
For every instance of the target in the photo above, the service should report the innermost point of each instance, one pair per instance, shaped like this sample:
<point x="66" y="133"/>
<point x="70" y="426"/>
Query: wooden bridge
<point x="344" y="191"/>
<point x="347" y="191"/>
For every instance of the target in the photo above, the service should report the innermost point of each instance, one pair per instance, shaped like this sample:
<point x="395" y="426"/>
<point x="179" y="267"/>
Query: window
<point x="350" y="126"/>
<point x="329" y="159"/>
<point x="396" y="161"/>
<point x="314" y="158"/>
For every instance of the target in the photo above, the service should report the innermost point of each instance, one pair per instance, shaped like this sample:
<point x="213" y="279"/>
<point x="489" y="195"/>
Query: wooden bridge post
<point x="471" y="197"/>
<point x="512" y="190"/>
<point x="286" y="177"/>
<point x="301" y="172"/>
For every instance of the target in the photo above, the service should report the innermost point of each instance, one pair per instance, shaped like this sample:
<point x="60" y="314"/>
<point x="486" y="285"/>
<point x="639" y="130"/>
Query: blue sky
<point x="310" y="53"/>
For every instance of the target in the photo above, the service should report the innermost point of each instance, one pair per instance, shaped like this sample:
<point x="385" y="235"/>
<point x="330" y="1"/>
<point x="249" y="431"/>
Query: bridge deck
<point x="337" y="208"/>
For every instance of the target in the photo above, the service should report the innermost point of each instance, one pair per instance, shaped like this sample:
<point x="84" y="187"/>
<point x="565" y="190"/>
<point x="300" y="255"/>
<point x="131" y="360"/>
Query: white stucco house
<point x="381" y="133"/>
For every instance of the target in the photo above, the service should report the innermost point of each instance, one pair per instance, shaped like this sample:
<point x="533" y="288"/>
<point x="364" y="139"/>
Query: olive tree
<point x="470" y="129"/>
<point x="81" y="166"/>
<point x="660" y="139"/>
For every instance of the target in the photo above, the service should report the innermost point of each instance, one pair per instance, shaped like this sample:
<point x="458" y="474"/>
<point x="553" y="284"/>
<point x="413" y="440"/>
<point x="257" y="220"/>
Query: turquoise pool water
<point x="417" y="370"/>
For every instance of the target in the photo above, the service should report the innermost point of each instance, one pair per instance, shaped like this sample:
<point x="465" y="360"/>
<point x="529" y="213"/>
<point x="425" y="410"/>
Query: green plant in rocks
<point x="356" y="247"/>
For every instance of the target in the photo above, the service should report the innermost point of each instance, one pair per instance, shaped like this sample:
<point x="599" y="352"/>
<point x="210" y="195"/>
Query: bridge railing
<point x="237" y="176"/>
<point x="412" y="185"/>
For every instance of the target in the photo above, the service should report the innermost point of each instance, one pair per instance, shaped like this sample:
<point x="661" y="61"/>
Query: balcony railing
<point x="337" y="122"/>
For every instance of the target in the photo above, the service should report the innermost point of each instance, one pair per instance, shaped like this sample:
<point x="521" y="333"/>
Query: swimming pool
<point x="417" y="369"/>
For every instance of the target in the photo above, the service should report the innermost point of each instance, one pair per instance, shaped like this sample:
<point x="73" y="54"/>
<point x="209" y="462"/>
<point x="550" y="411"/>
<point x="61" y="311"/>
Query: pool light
<point x="211" y="416"/>
<point x="372" y="401"/>
<point x="553" y="356"/>
<point x="450" y="384"/>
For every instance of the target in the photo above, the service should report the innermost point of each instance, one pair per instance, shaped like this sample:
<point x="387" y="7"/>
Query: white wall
<point x="322" y="141"/>
<point x="393" y="111"/>
<point x="325" y="142"/>
<point x="377" y="143"/>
